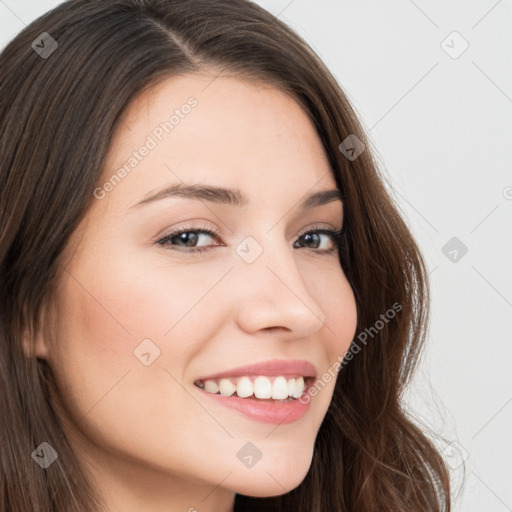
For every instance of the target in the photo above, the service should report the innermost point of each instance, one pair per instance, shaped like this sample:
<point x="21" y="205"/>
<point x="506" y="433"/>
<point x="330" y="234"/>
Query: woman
<point x="144" y="370"/>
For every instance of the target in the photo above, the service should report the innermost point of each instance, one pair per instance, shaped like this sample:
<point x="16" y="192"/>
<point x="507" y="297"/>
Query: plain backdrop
<point x="432" y="84"/>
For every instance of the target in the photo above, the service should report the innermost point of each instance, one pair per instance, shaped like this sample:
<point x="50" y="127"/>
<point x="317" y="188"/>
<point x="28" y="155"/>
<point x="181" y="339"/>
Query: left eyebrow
<point x="232" y="197"/>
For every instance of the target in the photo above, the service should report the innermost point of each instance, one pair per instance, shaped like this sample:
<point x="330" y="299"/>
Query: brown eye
<point x="187" y="236"/>
<point x="314" y="237"/>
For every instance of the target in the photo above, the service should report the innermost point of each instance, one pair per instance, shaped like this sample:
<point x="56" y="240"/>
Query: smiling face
<point x="141" y="320"/>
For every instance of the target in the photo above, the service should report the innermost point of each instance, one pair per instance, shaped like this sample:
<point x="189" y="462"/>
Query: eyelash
<point x="336" y="236"/>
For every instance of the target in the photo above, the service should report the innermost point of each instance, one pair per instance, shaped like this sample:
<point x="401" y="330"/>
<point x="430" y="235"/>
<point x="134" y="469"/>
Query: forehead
<point x="225" y="131"/>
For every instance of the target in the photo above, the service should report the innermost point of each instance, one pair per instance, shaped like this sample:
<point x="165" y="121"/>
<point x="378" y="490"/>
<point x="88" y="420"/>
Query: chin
<point x="267" y="482"/>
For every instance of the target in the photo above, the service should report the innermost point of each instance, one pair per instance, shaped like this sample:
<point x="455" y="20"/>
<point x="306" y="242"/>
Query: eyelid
<point x="317" y="226"/>
<point x="215" y="231"/>
<point x="188" y="227"/>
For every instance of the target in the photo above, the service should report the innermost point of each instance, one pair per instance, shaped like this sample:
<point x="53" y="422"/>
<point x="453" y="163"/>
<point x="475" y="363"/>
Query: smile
<point x="259" y="404"/>
<point x="256" y="387"/>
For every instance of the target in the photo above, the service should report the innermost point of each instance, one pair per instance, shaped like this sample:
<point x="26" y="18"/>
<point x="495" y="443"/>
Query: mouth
<point x="276" y="400"/>
<point x="259" y="388"/>
<point x="273" y="391"/>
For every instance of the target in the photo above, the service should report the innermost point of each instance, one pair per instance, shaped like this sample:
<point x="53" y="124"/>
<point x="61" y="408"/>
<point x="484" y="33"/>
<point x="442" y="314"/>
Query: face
<point x="143" y="315"/>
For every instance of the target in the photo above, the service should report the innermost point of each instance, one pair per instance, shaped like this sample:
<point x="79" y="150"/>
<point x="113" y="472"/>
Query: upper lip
<point x="271" y="368"/>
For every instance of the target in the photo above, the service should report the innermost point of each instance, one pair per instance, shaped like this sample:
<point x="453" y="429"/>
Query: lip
<point x="284" y="367"/>
<point x="262" y="411"/>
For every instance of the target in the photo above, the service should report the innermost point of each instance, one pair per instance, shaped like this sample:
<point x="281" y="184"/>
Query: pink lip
<point x="265" y="411"/>
<point x="268" y="368"/>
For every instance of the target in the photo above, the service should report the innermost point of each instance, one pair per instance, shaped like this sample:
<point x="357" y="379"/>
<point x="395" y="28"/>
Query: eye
<point x="314" y="234"/>
<point x="187" y="237"/>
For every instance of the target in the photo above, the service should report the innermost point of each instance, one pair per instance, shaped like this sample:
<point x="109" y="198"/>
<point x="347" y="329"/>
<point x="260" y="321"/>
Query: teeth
<point x="211" y="386"/>
<point x="291" y="387"/>
<point x="299" y="387"/>
<point x="280" y="389"/>
<point x="227" y="388"/>
<point x="244" y="387"/>
<point x="262" y="387"/>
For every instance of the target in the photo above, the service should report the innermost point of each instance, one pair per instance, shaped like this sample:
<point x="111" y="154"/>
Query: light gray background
<point x="442" y="127"/>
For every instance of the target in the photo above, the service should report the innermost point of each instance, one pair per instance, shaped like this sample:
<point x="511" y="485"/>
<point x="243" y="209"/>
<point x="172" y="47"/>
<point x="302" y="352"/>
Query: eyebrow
<point x="232" y="197"/>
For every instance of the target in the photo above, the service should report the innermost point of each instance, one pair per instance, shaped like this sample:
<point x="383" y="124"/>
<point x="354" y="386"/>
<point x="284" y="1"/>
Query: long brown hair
<point x="58" y="113"/>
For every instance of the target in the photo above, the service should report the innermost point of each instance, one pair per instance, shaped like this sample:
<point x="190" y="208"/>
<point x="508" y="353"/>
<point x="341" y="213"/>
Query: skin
<point x="150" y="439"/>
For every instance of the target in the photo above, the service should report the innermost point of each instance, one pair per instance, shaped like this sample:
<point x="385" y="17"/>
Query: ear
<point x="34" y="344"/>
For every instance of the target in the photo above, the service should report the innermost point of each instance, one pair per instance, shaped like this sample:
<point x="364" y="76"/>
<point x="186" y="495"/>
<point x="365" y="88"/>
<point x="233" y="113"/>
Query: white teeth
<point x="262" y="387"/>
<point x="291" y="387"/>
<point x="211" y="386"/>
<point x="227" y="388"/>
<point x="280" y="388"/>
<point x="244" y="387"/>
<point x="299" y="387"/>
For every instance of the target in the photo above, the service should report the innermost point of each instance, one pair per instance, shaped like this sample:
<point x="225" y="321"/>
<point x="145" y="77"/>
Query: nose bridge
<point x="275" y="293"/>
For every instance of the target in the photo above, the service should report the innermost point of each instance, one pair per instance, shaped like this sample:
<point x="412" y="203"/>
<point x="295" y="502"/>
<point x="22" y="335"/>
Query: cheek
<point x="147" y="293"/>
<point x="94" y="345"/>
<point x="116" y="308"/>
<point x="336" y="299"/>
<point x="340" y="325"/>
<point x="105" y="389"/>
<point x="343" y="317"/>
<point x="126" y="295"/>
<point x="107" y="313"/>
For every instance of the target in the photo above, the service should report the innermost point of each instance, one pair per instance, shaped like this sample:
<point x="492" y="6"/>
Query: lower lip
<point x="262" y="410"/>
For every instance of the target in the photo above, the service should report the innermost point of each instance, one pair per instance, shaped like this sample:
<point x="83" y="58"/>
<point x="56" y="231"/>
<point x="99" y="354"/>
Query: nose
<point x="273" y="295"/>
